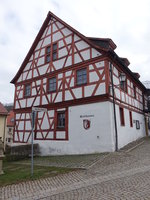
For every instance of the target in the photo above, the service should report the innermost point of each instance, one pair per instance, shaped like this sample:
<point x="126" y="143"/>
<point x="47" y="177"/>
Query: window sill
<point x="81" y="84"/>
<point x="122" y="124"/>
<point x="50" y="92"/>
<point x="60" y="129"/>
<point x="25" y="97"/>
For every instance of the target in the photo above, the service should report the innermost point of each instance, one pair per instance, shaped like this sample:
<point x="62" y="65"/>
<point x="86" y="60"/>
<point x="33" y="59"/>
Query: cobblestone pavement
<point x="69" y="161"/>
<point x="116" y="176"/>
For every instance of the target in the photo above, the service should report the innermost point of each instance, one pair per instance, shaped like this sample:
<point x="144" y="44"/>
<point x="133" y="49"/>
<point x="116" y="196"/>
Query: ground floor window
<point x="61" y="120"/>
<point x="122" y="121"/>
<point x="130" y="116"/>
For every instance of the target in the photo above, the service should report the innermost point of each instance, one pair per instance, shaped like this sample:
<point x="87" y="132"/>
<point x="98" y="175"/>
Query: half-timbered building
<point x="77" y="78"/>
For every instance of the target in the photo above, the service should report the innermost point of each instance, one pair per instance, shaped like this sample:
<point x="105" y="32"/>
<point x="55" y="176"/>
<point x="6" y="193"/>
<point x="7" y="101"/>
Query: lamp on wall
<point x="122" y="77"/>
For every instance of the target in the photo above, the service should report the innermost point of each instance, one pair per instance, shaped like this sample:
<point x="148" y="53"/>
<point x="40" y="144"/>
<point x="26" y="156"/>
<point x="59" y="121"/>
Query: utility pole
<point x="33" y="116"/>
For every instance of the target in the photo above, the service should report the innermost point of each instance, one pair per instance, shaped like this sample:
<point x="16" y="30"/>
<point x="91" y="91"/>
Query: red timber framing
<point x="65" y="83"/>
<point x="126" y="99"/>
<point x="74" y="52"/>
<point x="46" y="127"/>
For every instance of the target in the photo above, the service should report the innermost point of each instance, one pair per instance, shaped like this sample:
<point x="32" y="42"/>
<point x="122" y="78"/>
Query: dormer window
<point x="51" y="53"/>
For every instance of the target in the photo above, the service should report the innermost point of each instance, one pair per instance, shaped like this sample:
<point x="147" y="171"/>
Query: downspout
<point x="114" y="109"/>
<point x="145" y="116"/>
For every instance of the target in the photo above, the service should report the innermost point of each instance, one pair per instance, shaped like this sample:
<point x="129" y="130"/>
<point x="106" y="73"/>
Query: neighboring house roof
<point x="3" y="110"/>
<point x="9" y="107"/>
<point x="106" y="46"/>
<point x="10" y="118"/>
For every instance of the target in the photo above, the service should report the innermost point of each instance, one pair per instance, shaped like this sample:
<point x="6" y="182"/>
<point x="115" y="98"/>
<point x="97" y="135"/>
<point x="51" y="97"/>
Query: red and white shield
<point x="86" y="123"/>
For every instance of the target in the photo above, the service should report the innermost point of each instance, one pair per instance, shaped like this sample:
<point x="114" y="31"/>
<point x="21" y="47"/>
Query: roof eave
<point x="115" y="57"/>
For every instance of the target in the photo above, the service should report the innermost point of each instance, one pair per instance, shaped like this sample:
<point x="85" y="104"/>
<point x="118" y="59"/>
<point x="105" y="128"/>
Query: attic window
<point x="51" y="53"/>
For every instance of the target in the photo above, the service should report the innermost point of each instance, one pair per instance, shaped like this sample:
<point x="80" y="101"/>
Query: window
<point x="134" y="91"/>
<point x="48" y="57"/>
<point x="9" y="140"/>
<point x="54" y="51"/>
<point x="81" y="76"/>
<point x="52" y="84"/>
<point x="130" y="116"/>
<point x="9" y="130"/>
<point x="61" y="120"/>
<point x="27" y="90"/>
<point x="51" y="53"/>
<point x="137" y="124"/>
<point x="123" y="85"/>
<point x="122" y="122"/>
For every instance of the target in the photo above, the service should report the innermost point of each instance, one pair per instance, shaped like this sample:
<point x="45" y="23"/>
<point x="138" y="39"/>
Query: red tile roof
<point x="3" y="110"/>
<point x="10" y="118"/>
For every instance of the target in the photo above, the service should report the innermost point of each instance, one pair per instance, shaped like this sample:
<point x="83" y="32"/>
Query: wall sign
<point x="137" y="124"/>
<point x="86" y="124"/>
<point x="87" y="116"/>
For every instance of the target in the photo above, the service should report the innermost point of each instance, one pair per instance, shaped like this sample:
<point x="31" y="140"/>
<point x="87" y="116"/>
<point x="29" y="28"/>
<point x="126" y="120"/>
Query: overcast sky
<point x="126" y="22"/>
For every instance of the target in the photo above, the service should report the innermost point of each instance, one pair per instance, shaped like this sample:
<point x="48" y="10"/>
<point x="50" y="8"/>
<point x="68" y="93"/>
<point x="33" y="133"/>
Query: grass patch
<point x="15" y="172"/>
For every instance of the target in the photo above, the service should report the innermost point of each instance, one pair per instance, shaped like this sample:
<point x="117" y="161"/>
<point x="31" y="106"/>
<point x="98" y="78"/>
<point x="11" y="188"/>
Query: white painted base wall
<point x="97" y="138"/>
<point x="100" y="137"/>
<point x="127" y="134"/>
